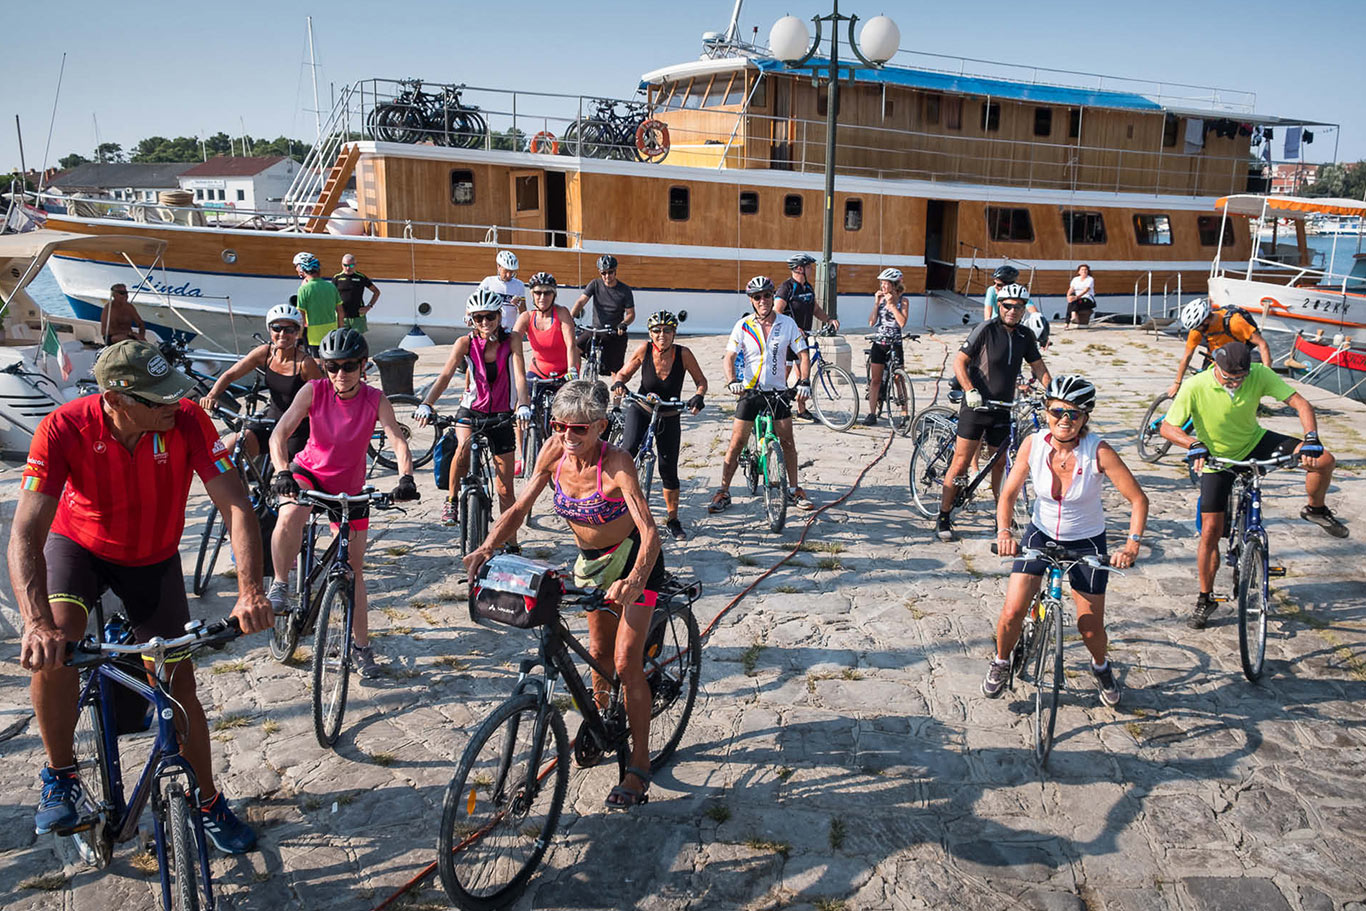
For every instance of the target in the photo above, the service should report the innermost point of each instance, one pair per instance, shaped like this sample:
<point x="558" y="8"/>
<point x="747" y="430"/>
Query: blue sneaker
<point x="57" y="806"/>
<point x="228" y="833"/>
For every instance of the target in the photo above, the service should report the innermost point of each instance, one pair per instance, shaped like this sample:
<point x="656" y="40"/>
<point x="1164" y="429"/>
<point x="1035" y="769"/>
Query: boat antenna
<point x="53" y="120"/>
<point x="733" y="30"/>
<point x="313" y="68"/>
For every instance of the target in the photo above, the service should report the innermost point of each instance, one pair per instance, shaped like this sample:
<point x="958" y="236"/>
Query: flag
<point x="53" y="347"/>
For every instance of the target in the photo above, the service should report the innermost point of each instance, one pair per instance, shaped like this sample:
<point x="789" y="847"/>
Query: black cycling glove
<point x="406" y="489"/>
<point x="1197" y="451"/>
<point x="618" y="386"/>
<point x="695" y="403"/>
<point x="284" y="484"/>
<point x="1312" y="448"/>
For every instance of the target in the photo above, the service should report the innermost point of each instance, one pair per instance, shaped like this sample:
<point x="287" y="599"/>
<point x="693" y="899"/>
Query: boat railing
<point x="1265" y="269"/>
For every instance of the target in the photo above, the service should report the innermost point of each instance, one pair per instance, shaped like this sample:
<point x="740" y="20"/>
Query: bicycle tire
<point x="332" y="653"/>
<point x="673" y="666"/>
<point x="900" y="402"/>
<point x="937" y="412"/>
<point x="531" y="449"/>
<point x="421" y="440"/>
<point x="210" y="544"/>
<point x="616" y="427"/>
<point x="834" y="397"/>
<point x="474" y="519"/>
<point x="1253" y="603"/>
<point x="95" y="844"/>
<point x="474" y="128"/>
<point x="775" y="486"/>
<point x="1151" y="444"/>
<point x="1047" y="679"/>
<point x="645" y="471"/>
<point x="930" y="461"/>
<point x="284" y="637"/>
<point x="494" y="832"/>
<point x="184" y="853"/>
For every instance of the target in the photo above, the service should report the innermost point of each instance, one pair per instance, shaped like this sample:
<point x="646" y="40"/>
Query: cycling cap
<point x="285" y="312"/>
<point x="606" y="261"/>
<point x="508" y="260"/>
<point x="662" y="318"/>
<point x="1074" y="389"/>
<point x="889" y="275"/>
<point x="1015" y="292"/>
<point x="542" y="280"/>
<point x="1038" y="324"/>
<point x="485" y="300"/>
<point x="1007" y="274"/>
<point x="800" y="259"/>
<point x="343" y="344"/>
<point x="1195" y="313"/>
<point x="759" y="284"/>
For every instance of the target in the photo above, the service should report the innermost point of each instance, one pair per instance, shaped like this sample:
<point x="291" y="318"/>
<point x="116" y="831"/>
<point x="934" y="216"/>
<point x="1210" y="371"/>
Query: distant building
<point x="1290" y="179"/>
<point x="241" y="183"/>
<point x="122" y="181"/>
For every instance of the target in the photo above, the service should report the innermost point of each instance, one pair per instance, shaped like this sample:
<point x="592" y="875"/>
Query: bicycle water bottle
<point x="740" y="365"/>
<point x="1055" y="585"/>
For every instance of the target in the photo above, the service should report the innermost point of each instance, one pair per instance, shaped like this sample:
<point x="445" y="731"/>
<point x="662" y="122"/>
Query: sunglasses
<point x="578" y="430"/>
<point x="285" y="329"/>
<point x="348" y="265"/>
<point x="609" y="272"/>
<point x="484" y="317"/>
<point x="660" y="330"/>
<point x="548" y="292"/>
<point x="766" y="296"/>
<point x="1071" y="414"/>
<point x="148" y="403"/>
<point x="341" y="366"/>
<point x="1012" y="306"/>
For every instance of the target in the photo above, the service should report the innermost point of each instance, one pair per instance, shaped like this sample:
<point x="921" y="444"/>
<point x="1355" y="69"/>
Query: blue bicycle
<point x="645" y="455"/>
<point x="117" y="698"/>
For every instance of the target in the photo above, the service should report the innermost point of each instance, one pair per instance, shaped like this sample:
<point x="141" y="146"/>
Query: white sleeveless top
<point x="1080" y="513"/>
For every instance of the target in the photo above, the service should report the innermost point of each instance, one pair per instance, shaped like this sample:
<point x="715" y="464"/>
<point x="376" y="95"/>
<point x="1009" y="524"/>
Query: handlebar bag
<point x="515" y="591"/>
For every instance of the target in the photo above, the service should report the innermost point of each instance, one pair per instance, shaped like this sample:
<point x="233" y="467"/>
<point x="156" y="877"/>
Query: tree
<point x="512" y="140"/>
<point x="72" y="161"/>
<point x="1344" y="180"/>
<point x="106" y="152"/>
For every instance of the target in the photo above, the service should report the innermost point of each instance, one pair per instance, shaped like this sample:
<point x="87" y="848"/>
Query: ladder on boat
<point x="320" y="180"/>
<point x="331" y="192"/>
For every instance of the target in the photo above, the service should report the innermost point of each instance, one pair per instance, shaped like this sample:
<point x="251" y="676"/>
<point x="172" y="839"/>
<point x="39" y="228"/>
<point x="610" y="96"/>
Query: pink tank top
<point x="339" y="431"/>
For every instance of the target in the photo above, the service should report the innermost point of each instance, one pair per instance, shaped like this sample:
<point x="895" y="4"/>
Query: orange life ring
<point x="652" y="139"/>
<point x="545" y="143"/>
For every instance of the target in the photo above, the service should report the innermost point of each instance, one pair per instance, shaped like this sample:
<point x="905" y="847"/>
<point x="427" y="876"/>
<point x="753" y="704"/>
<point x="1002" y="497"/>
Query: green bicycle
<point x="762" y="458"/>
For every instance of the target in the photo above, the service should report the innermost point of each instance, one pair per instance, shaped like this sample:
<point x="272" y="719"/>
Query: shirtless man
<point x="119" y="317"/>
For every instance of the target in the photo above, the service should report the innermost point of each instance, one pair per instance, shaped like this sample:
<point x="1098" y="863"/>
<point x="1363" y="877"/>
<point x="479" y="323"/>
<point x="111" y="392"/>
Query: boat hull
<point x="1317" y="312"/>
<point x="1340" y="369"/>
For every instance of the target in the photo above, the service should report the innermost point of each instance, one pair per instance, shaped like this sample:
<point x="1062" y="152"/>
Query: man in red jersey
<point x="103" y="504"/>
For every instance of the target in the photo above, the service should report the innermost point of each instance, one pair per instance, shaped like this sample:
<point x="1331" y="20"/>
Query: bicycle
<point x="534" y="437"/>
<point x="325" y="603"/>
<point x="114" y="679"/>
<point x="834" y="393"/>
<point x="475" y="499"/>
<point x="414" y="115"/>
<point x="1247" y="554"/>
<point x="255" y="474"/>
<point x="645" y="456"/>
<point x="421" y="440"/>
<point x="503" y="804"/>
<point x="590" y="366"/>
<point x="895" y="392"/>
<point x="762" y="458"/>
<point x="630" y="136"/>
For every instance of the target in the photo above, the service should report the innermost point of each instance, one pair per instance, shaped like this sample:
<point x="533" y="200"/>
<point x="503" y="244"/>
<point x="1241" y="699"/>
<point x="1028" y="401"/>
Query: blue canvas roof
<point x="978" y="85"/>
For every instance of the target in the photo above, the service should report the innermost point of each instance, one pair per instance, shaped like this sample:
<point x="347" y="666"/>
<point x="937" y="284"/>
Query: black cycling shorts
<point x="994" y="425"/>
<point x="752" y="403"/>
<point x="881" y="353"/>
<point x="502" y="439"/>
<point x="1217" y="486"/>
<point x="153" y="596"/>
<point x="358" y="516"/>
<point x="1084" y="579"/>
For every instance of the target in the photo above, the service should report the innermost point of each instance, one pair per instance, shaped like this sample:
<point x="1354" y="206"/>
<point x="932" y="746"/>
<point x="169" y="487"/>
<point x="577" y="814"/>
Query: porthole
<point x="424" y="309"/>
<point x="229" y="256"/>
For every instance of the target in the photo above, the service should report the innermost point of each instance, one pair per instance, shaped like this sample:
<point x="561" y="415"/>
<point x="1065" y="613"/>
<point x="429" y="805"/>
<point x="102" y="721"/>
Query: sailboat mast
<point x="313" y="66"/>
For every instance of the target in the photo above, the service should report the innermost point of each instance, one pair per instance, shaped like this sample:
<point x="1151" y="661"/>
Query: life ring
<point x="545" y="143"/>
<point x="652" y="139"/>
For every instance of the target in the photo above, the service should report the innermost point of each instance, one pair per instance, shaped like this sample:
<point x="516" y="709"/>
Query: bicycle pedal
<point x="1275" y="572"/>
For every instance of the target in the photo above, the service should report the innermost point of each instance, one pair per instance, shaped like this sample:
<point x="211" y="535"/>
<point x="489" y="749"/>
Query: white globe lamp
<point x="789" y="40"/>
<point x="879" y="39"/>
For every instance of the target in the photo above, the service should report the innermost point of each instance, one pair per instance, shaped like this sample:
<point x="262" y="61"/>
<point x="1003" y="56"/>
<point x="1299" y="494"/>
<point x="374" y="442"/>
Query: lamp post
<point x="790" y="42"/>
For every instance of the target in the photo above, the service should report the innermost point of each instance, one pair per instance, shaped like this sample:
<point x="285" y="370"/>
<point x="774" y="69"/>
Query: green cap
<point x="139" y="368"/>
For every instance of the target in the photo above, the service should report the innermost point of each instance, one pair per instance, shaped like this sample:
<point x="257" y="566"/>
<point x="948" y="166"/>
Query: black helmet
<point x="1007" y="274"/>
<point x="800" y="259"/>
<point x="542" y="280"/>
<point x="759" y="284"/>
<point x="343" y="344"/>
<point x="606" y="261"/>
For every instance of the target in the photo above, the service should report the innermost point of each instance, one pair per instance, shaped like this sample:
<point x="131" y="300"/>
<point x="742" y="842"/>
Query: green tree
<point x="71" y="161"/>
<point x="513" y="140"/>
<point x="1345" y="180"/>
<point x="108" y="152"/>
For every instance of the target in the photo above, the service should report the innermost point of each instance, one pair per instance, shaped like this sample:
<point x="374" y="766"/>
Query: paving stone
<point x="1234" y="893"/>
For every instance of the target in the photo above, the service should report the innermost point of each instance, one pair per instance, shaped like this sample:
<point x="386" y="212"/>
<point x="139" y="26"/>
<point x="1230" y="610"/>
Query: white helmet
<point x="508" y="260"/>
<point x="1195" y="313"/>
<point x="485" y="300"/>
<point x="889" y="275"/>
<point x="1038" y="324"/>
<point x="1015" y="292"/>
<point x="286" y="312"/>
<point x="304" y="258"/>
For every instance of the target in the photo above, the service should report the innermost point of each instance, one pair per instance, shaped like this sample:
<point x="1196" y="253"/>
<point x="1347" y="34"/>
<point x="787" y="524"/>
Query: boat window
<point x="1074" y="123"/>
<point x="931" y="114"/>
<point x="528" y="189"/>
<point x="462" y="188"/>
<point x="736" y="93"/>
<point x="1083" y="227"/>
<point x="853" y="214"/>
<point x="749" y="202"/>
<point x="1356" y="281"/>
<point x="991" y="116"/>
<point x="953" y="113"/>
<point x="696" y="92"/>
<point x="1043" y="121"/>
<point x="1153" y="230"/>
<point x="1208" y="226"/>
<point x="760" y="99"/>
<point x="678" y="204"/>
<point x="1169" y="131"/>
<point x="1009" y="224"/>
<point x="792" y="205"/>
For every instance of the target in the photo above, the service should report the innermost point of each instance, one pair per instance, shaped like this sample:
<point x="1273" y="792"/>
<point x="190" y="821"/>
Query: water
<point x="1339" y="261"/>
<point x="48" y="295"/>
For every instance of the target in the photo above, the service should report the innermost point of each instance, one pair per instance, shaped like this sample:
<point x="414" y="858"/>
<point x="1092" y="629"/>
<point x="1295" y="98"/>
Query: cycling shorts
<point x="502" y="439"/>
<point x="359" y="515"/>
<point x="1084" y="579"/>
<point x="994" y="425"/>
<point x="751" y="405"/>
<point x="1217" y="486"/>
<point x="153" y="596"/>
<point x="881" y="353"/>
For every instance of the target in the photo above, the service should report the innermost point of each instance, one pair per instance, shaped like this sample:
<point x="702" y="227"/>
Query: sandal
<point x="623" y="798"/>
<point x="719" y="503"/>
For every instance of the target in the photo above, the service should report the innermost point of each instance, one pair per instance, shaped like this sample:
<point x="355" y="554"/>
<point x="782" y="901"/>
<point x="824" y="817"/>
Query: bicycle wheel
<point x="183" y="854"/>
<point x="616" y="427"/>
<point x="210" y="543"/>
<point x="1252" y="608"/>
<point x="1047" y="678"/>
<point x="474" y="519"/>
<point x="645" y="470"/>
<point x="531" y="448"/>
<point x="421" y="440"/>
<point x="332" y="659"/>
<point x="930" y="460"/>
<point x="775" y="486"/>
<point x="96" y="843"/>
<point x="1151" y="444"/>
<point x="284" y="636"/>
<point x="673" y="662"/>
<point x="834" y="397"/>
<point x="503" y="804"/>
<point x="900" y="402"/>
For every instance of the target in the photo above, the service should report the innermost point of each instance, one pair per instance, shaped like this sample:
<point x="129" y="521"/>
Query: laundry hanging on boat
<point x="1195" y="135"/>
<point x="1292" y="142"/>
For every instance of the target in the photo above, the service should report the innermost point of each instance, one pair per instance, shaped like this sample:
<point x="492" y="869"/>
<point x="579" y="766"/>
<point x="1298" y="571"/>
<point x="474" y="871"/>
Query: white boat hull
<point x="1312" y="311"/>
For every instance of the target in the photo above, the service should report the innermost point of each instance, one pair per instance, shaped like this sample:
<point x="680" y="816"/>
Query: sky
<point x="180" y="68"/>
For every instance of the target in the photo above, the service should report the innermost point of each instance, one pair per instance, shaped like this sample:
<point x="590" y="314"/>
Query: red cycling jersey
<point x="124" y="507"/>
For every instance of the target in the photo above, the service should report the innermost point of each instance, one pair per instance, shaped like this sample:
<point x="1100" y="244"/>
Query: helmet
<point x="759" y="284"/>
<point x="1195" y="313"/>
<point x="1013" y="292"/>
<point x="800" y="259"/>
<point x="342" y="344"/>
<point x="307" y="261"/>
<point x="1038" y="324"/>
<point x="508" y="260"/>
<point x="284" y="312"/>
<point x="606" y="261"/>
<point x="1007" y="274"/>
<point x="1074" y="389"/>
<point x="889" y="275"/>
<point x="542" y="280"/>
<point x="485" y="300"/>
<point x="662" y="319"/>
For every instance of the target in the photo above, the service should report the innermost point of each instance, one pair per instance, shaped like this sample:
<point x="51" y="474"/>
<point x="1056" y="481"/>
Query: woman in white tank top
<point x="1066" y="463"/>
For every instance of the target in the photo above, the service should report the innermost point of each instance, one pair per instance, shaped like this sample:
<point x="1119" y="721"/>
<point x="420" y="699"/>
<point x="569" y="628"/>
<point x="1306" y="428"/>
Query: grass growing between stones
<point x="829" y="563"/>
<point x="836" y="834"/>
<point x="822" y="547"/>
<point x="916" y="612"/>
<point x="398" y="550"/>
<point x="749" y="658"/>
<point x="229" y="721"/>
<point x="448" y="594"/>
<point x="145" y="862"/>
<point x="383" y="758"/>
<point x="44" y="882"/>
<point x="830" y="904"/>
<point x="231" y="667"/>
<point x="781" y="848"/>
<point x="718" y="813"/>
<point x="393" y="613"/>
<point x="270" y="726"/>
<point x="786" y="589"/>
<point x="450" y="661"/>
<point x="784" y="773"/>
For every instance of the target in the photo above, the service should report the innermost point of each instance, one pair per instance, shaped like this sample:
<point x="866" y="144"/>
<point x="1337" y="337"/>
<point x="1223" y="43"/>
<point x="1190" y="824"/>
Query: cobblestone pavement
<point x="841" y="755"/>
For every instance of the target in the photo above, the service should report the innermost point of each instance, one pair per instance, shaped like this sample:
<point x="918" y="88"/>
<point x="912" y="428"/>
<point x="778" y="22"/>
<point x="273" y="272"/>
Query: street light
<point x="790" y="41"/>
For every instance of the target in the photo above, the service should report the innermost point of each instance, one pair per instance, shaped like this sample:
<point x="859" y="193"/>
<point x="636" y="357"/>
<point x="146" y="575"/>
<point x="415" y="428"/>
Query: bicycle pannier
<point x="515" y="591"/>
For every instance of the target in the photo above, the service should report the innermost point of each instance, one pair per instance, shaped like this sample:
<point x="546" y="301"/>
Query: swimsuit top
<point x="594" y="509"/>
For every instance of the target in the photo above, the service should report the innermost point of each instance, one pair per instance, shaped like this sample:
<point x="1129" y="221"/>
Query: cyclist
<point x="341" y="411"/>
<point x="1222" y="403"/>
<point x="987" y="366"/>
<point x="102" y="503"/>
<point x="1214" y="329"/>
<point x="505" y="282"/>
<point x="495" y="385"/>
<point x="661" y="364"/>
<point x="614" y="306"/>
<point x="550" y="330"/>
<point x="1004" y="275"/>
<point x="318" y="299"/>
<point x="761" y="338"/>
<point x="891" y="306"/>
<point x="1066" y="463"/>
<point x="797" y="299"/>
<point x="286" y="367"/>
<point x="598" y="494"/>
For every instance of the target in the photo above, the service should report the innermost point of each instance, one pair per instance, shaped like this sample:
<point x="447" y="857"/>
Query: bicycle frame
<point x="314" y="572"/>
<point x="1008" y="450"/>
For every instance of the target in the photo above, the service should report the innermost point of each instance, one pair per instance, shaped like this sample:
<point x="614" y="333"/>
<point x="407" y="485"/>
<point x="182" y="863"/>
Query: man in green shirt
<point x="318" y="299"/>
<point x="1222" y="404"/>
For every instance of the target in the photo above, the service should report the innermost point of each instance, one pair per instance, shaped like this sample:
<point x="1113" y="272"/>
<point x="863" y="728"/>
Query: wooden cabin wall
<point x="420" y="190"/>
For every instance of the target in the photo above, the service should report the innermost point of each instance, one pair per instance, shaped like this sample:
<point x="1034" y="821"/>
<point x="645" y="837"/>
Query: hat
<point x="1235" y="358"/>
<point x="139" y="368"/>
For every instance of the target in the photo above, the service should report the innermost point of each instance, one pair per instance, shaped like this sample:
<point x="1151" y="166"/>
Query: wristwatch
<point x="1137" y="539"/>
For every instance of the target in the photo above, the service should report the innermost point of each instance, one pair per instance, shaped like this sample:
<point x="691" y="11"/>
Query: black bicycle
<point x="475" y="500"/>
<point x="645" y="457"/>
<point x="414" y="115"/>
<point x="896" y="396"/>
<point x="631" y="135"/>
<point x="239" y="397"/>
<point x="255" y="474"/>
<point x="590" y="366"/>
<point x="537" y="433"/>
<point x="503" y="804"/>
<point x="421" y="440"/>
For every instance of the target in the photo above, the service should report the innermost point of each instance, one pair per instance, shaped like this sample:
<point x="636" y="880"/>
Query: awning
<point x="23" y="255"/>
<point x="1291" y="206"/>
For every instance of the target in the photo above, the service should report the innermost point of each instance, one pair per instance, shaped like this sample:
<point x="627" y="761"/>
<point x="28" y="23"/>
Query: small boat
<point x="1338" y="366"/>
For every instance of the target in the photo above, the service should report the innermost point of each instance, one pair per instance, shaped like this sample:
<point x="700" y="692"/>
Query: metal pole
<point x="313" y="68"/>
<point x="830" y="284"/>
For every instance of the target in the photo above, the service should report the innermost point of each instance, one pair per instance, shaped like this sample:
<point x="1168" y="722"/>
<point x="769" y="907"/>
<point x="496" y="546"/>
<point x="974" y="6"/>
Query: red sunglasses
<point x="576" y="429"/>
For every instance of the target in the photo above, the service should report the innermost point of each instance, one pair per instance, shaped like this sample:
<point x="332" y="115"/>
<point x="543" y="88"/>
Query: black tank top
<point x="668" y="388"/>
<point x="283" y="387"/>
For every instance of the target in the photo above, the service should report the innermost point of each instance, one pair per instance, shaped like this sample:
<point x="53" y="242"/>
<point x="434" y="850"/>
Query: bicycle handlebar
<point x="1061" y="557"/>
<point x="336" y="501"/>
<point x="652" y="400"/>
<point x="1259" y="465"/>
<point x="89" y="652"/>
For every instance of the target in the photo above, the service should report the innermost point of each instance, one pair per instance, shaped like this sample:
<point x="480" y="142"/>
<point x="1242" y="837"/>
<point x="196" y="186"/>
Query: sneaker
<point x="870" y="420"/>
<point x="799" y="499"/>
<point x="450" y="516"/>
<point x="944" y="528"/>
<point x="228" y="833"/>
<point x="675" y="528"/>
<point x="279" y="597"/>
<point x="57" y="806"/>
<point x="363" y="660"/>
<point x="1106" y="683"/>
<point x="995" y="680"/>
<point x="807" y="416"/>
<point x="1323" y="517"/>
<point x="1204" y="606"/>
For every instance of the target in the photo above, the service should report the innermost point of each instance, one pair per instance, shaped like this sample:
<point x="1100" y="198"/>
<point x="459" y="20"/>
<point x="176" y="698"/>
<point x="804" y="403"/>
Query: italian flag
<point x="51" y="346"/>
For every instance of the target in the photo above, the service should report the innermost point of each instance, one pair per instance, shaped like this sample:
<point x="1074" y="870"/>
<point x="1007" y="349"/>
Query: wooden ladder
<point x="332" y="188"/>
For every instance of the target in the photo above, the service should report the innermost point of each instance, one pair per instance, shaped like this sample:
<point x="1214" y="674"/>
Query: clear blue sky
<point x="150" y="68"/>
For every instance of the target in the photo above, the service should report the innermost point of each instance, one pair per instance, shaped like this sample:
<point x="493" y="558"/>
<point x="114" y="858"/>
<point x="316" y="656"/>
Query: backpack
<point x="1231" y="311"/>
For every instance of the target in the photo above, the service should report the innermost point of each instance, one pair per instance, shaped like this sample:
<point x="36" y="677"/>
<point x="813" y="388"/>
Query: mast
<point x="51" y="121"/>
<point x="733" y="30"/>
<point x="313" y="67"/>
